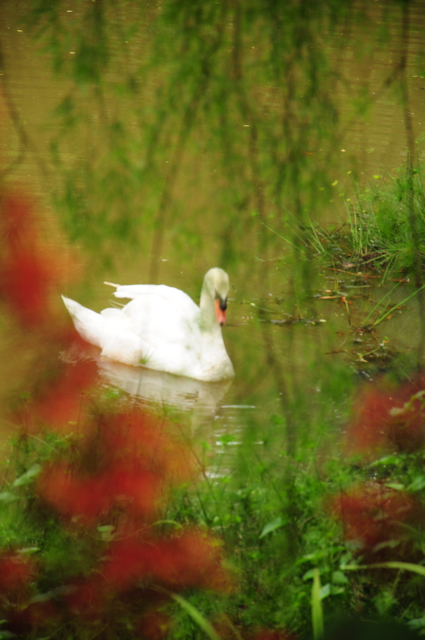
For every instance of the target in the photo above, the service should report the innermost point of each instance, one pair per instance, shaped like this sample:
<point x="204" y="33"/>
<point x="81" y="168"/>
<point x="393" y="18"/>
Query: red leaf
<point x="85" y="499"/>
<point x="61" y="401"/>
<point x="154" y="625"/>
<point x="198" y="558"/>
<point x="28" y="270"/>
<point x="192" y="559"/>
<point x="86" y="599"/>
<point x="25" y="278"/>
<point x="272" y="634"/>
<point x="372" y="514"/>
<point x="388" y="417"/>
<point x="15" y="571"/>
<point x="138" y="490"/>
<point x="140" y="436"/>
<point x="128" y="561"/>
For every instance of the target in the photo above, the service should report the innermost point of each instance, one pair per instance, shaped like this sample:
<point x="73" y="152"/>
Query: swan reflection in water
<point x="197" y="402"/>
<point x="163" y="389"/>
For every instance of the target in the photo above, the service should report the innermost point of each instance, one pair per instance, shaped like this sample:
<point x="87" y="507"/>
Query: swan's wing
<point x="131" y="291"/>
<point x="154" y="299"/>
<point x="173" y="295"/>
<point x="165" y="321"/>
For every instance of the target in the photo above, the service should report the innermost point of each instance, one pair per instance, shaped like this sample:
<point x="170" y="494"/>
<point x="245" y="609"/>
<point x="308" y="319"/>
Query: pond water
<point x="278" y="352"/>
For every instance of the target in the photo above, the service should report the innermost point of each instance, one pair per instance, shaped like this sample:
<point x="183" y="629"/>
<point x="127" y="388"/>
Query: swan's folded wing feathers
<point x="132" y="291"/>
<point x="161" y="323"/>
<point x="173" y="295"/>
<point x="178" y="300"/>
<point x="111" y="312"/>
<point x="126" y="347"/>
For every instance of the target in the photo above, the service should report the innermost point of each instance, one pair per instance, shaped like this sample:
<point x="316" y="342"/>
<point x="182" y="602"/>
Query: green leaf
<point x="418" y="484"/>
<point x="316" y="607"/>
<point x="29" y="550"/>
<point x="272" y="526"/>
<point x="404" y="566"/>
<point x="391" y="459"/>
<point x="325" y="591"/>
<point x="309" y="575"/>
<point x="7" y="496"/>
<point x="28" y="476"/>
<point x="397" y="486"/>
<point x="338" y="577"/>
<point x="197" y="617"/>
<point x="417" y="623"/>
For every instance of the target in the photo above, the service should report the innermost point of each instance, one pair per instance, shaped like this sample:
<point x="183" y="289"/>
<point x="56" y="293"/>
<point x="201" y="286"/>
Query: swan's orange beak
<point x="220" y="311"/>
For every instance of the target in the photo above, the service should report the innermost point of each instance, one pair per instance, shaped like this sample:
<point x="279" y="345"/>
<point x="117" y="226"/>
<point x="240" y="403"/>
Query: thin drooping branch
<point x="188" y="121"/>
<point x="25" y="142"/>
<point x="410" y="171"/>
<point x="16" y="121"/>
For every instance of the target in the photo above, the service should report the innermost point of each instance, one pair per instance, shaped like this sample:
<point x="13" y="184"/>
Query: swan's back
<point x="178" y="299"/>
<point x="161" y="321"/>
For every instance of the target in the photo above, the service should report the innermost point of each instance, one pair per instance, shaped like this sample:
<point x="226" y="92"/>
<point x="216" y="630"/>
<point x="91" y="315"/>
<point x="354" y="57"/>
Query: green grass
<point x="376" y="231"/>
<point x="379" y="226"/>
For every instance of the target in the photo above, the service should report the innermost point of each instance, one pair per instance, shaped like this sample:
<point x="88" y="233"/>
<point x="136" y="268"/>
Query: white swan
<point x="162" y="328"/>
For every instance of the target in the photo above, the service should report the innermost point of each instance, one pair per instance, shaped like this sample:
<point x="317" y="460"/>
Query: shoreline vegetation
<point x="376" y="234"/>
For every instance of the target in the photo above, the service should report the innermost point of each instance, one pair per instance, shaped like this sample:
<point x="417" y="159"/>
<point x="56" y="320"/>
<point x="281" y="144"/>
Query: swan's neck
<point x="207" y="307"/>
<point x="216" y="364"/>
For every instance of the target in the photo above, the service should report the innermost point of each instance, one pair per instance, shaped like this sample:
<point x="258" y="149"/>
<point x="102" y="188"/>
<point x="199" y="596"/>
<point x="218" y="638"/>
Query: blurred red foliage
<point x="137" y="435"/>
<point x="154" y="625"/>
<point x="272" y="634"/>
<point x="28" y="271"/>
<point x="132" y="461"/>
<point x="86" y="498"/>
<point x="59" y="403"/>
<point x="388" y="418"/>
<point x="15" y="571"/>
<point x="373" y="514"/>
<point x="117" y="473"/>
<point x="26" y="619"/>
<point x="192" y="559"/>
<point x="85" y="598"/>
<point x="82" y="498"/>
<point x="137" y="490"/>
<point x="24" y="284"/>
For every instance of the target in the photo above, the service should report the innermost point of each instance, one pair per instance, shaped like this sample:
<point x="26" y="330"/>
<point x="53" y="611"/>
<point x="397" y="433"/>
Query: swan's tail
<point x="108" y="330"/>
<point x="89" y="324"/>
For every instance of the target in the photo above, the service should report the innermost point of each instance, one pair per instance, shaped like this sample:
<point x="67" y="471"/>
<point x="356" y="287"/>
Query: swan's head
<point x="217" y="282"/>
